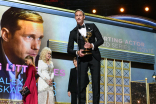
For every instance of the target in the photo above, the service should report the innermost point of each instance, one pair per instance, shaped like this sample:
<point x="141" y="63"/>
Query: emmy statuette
<point x="87" y="51"/>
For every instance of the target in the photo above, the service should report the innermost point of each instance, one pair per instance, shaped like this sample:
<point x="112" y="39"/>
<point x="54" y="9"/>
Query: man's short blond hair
<point x="12" y="15"/>
<point x="79" y="10"/>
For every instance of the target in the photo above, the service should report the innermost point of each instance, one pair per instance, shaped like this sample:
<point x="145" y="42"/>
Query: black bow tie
<point x="83" y="26"/>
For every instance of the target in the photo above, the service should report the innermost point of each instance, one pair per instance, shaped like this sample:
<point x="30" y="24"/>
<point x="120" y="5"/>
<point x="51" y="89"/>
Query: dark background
<point x="105" y="7"/>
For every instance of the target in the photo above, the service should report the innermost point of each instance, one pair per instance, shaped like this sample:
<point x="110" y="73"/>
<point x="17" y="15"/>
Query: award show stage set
<point x="128" y="56"/>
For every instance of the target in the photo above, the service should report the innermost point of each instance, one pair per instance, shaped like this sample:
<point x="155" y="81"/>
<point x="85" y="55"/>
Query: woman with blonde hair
<point x="30" y="83"/>
<point x="46" y="72"/>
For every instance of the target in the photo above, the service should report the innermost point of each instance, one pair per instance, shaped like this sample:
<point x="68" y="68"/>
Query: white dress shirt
<point x="83" y="31"/>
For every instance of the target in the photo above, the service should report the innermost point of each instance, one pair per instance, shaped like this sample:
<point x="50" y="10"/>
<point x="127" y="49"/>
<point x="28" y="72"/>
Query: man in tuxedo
<point x="21" y="34"/>
<point x="91" y="61"/>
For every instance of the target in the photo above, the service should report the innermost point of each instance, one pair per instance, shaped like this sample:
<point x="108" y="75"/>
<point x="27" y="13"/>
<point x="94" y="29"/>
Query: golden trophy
<point x="87" y="51"/>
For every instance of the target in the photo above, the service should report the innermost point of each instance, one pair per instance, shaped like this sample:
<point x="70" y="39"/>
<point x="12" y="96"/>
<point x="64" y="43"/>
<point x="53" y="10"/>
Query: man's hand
<point x="88" y="45"/>
<point x="69" y="93"/>
<point x="80" y="53"/>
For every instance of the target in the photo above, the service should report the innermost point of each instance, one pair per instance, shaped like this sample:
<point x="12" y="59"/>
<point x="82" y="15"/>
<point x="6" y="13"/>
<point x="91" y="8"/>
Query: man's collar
<point x="84" y="24"/>
<point x="9" y="62"/>
<point x="76" y="28"/>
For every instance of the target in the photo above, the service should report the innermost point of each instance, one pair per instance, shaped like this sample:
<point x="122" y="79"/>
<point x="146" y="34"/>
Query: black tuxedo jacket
<point x="96" y="39"/>
<point x="72" y="85"/>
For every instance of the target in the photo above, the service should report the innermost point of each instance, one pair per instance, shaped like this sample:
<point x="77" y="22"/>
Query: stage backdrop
<point x="58" y="26"/>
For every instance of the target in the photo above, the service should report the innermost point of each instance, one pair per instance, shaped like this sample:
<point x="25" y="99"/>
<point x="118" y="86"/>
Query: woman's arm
<point x="40" y="70"/>
<point x="52" y="74"/>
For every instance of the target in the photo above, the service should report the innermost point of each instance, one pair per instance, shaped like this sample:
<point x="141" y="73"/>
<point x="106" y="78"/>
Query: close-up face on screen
<point x="27" y="33"/>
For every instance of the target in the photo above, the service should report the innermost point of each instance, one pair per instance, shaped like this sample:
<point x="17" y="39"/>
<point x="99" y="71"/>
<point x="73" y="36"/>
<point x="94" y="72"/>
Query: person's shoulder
<point x="89" y="24"/>
<point x="74" y="29"/>
<point x="40" y="61"/>
<point x="31" y="66"/>
<point x="72" y="69"/>
<point x="51" y="62"/>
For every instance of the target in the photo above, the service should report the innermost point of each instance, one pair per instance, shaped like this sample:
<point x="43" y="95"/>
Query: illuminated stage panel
<point x="58" y="46"/>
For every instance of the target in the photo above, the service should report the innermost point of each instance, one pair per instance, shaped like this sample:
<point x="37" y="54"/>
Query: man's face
<point x="75" y="63"/>
<point x="27" y="40"/>
<point x="79" y="17"/>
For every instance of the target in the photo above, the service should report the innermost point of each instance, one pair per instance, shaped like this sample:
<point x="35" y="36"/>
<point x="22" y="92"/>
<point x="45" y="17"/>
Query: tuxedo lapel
<point x="79" y="35"/>
<point x="88" y="28"/>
